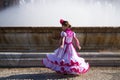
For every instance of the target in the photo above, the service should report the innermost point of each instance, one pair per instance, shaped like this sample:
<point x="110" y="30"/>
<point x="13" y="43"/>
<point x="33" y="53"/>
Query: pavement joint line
<point x="53" y="52"/>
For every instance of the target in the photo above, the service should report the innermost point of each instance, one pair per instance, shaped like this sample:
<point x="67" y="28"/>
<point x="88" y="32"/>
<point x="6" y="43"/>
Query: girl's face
<point x="64" y="27"/>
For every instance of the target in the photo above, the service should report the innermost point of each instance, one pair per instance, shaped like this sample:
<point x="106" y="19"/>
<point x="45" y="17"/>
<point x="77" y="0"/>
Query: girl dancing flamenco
<point x="65" y="59"/>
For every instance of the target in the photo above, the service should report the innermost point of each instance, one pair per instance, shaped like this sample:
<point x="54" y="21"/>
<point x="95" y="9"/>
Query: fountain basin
<point x="46" y="39"/>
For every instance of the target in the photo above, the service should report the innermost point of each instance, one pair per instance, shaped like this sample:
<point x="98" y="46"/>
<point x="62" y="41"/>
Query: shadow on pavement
<point x="41" y="76"/>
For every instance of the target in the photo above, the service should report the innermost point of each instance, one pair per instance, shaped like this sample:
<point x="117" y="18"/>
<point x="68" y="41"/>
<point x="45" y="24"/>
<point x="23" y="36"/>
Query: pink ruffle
<point x="62" y="65"/>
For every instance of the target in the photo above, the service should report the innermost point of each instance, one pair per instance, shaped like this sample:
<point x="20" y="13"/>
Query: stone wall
<point x="45" y="39"/>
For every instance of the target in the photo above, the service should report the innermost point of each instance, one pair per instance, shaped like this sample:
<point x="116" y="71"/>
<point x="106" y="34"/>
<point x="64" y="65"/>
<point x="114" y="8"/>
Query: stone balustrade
<point x="46" y="39"/>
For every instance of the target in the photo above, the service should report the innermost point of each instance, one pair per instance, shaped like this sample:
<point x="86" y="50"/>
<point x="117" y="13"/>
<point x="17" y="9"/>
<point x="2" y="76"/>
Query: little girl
<point x="65" y="59"/>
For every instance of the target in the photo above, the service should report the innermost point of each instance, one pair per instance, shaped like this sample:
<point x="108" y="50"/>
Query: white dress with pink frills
<point x="66" y="60"/>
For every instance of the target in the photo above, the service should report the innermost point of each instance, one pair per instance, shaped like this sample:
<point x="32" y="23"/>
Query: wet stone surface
<point x="37" y="73"/>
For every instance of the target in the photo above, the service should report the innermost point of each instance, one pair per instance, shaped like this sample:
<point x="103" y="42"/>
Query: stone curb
<point x="14" y="59"/>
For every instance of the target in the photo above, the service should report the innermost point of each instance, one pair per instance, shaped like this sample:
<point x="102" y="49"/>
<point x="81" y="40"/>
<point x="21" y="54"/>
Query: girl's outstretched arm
<point x="62" y="42"/>
<point x="77" y="42"/>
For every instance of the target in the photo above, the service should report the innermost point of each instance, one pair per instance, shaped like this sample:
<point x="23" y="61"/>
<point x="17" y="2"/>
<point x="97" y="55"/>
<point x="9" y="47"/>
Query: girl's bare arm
<point x="62" y="42"/>
<point x="77" y="42"/>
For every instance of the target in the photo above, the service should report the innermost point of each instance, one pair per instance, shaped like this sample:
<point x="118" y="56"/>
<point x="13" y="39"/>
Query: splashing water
<point x="49" y="12"/>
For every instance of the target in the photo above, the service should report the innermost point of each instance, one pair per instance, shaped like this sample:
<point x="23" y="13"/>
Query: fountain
<point x="48" y="13"/>
<point x="44" y="17"/>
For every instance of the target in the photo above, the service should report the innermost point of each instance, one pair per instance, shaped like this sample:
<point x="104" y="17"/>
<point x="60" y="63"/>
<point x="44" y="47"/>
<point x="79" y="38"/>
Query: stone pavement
<point x="41" y="73"/>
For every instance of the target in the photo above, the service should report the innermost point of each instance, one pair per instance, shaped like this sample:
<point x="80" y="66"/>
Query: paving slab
<point x="41" y="73"/>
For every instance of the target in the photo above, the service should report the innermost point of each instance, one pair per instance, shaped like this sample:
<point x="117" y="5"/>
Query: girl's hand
<point x="62" y="46"/>
<point x="79" y="47"/>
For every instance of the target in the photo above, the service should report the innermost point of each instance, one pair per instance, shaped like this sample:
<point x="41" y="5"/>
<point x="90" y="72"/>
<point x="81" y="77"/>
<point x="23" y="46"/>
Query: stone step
<point x="37" y="62"/>
<point x="42" y="55"/>
<point x="35" y="59"/>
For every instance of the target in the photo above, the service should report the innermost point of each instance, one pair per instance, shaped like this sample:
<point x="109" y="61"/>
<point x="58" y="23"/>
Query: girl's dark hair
<point x="65" y="23"/>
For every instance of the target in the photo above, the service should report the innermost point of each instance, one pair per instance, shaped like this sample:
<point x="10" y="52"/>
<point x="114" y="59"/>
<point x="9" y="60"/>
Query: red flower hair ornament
<point x="61" y="21"/>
